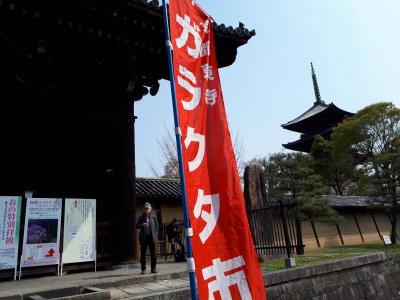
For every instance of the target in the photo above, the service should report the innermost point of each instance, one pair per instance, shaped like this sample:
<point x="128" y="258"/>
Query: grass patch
<point x="322" y="255"/>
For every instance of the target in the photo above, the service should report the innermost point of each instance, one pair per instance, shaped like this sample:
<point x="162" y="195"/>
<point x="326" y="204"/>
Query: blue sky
<point x="355" y="48"/>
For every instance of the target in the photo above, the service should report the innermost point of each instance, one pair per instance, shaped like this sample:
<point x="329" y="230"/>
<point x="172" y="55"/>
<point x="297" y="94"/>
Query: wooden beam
<point x="340" y="233"/>
<point x="315" y="234"/>
<point x="376" y="225"/>
<point x="358" y="226"/>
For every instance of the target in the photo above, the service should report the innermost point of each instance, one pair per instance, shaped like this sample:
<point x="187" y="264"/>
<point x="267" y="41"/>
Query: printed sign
<point x="10" y="214"/>
<point x="42" y="232"/>
<point x="79" y="231"/>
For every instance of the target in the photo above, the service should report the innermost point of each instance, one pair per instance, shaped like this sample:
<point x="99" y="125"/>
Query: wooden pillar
<point x="124" y="213"/>
<point x="288" y="245"/>
<point x="299" y="235"/>
<point x="340" y="234"/>
<point x="132" y="232"/>
<point x="127" y="251"/>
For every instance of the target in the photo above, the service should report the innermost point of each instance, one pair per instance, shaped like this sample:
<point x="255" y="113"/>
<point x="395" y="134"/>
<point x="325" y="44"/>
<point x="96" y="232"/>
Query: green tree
<point x="337" y="169"/>
<point x="373" y="138"/>
<point x="291" y="175"/>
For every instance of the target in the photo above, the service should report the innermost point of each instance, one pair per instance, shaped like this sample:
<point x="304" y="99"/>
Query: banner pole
<point x="62" y="265"/>
<point x="178" y="134"/>
<point x="95" y="260"/>
<point x="20" y="269"/>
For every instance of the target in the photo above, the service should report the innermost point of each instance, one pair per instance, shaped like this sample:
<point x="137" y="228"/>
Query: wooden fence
<point x="276" y="228"/>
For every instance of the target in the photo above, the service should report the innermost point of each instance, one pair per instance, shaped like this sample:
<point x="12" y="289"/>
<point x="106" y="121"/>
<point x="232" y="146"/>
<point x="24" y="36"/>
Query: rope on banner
<point x="202" y="9"/>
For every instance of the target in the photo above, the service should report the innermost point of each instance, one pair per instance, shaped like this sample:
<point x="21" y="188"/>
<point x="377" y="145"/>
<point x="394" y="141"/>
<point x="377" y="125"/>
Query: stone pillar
<point x="254" y="186"/>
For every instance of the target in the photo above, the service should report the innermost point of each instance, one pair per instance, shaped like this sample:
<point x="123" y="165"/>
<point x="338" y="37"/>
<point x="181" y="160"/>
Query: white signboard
<point x="79" y="231"/>
<point x="387" y="240"/>
<point x="41" y="232"/>
<point x="10" y="214"/>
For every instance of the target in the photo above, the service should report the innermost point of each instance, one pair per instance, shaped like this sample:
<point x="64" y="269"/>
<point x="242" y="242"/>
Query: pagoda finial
<point x="316" y="88"/>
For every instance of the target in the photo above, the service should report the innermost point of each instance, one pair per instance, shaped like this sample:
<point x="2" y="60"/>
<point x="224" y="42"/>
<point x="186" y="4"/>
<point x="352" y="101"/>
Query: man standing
<point x="148" y="225"/>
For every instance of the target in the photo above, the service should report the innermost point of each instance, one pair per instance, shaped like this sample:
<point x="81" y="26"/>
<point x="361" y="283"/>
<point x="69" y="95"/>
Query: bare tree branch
<point x="168" y="152"/>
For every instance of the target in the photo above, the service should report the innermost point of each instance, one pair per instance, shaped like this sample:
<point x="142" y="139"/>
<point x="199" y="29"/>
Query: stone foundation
<point x="370" y="276"/>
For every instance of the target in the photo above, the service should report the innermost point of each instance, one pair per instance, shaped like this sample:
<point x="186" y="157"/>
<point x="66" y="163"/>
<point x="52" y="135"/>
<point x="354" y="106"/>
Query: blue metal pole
<point x="178" y="134"/>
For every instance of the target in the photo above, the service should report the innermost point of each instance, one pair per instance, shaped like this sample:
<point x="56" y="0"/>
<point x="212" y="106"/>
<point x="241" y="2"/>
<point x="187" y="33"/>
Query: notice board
<point x="10" y="214"/>
<point x="41" y="242"/>
<point x="79" y="243"/>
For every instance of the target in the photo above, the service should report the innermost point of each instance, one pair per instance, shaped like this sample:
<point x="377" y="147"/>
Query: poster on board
<point x="10" y="214"/>
<point x="41" y="232"/>
<point x="79" y="244"/>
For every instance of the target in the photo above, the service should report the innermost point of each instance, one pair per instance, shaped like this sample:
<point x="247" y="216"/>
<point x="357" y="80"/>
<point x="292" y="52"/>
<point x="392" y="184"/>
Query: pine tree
<point x="373" y="138"/>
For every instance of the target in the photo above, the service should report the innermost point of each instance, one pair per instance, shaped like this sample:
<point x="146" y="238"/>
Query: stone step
<point x="159" y="290"/>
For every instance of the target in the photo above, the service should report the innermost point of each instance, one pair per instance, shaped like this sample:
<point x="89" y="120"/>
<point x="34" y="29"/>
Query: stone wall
<point x="370" y="276"/>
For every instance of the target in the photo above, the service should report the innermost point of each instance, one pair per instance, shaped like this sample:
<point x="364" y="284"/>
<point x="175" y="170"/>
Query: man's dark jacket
<point x="153" y="223"/>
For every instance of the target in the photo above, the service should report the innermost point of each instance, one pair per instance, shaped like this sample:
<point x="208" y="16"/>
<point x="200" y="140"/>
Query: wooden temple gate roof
<point x="133" y="25"/>
<point x="158" y="188"/>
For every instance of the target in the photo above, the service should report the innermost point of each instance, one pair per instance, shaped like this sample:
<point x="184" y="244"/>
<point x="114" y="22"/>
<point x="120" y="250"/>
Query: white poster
<point x="10" y="214"/>
<point x="79" y="242"/>
<point x="41" y="232"/>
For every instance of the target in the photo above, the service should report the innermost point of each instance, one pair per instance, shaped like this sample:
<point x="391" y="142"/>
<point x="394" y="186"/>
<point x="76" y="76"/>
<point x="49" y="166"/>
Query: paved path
<point x="112" y="279"/>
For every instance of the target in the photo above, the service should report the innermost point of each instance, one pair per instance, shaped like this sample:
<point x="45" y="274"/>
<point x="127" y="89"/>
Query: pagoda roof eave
<point x="299" y="145"/>
<point x="315" y="115"/>
<point x="304" y="144"/>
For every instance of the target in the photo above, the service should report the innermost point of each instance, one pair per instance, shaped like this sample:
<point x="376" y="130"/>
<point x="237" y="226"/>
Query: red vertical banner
<point x="225" y="259"/>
